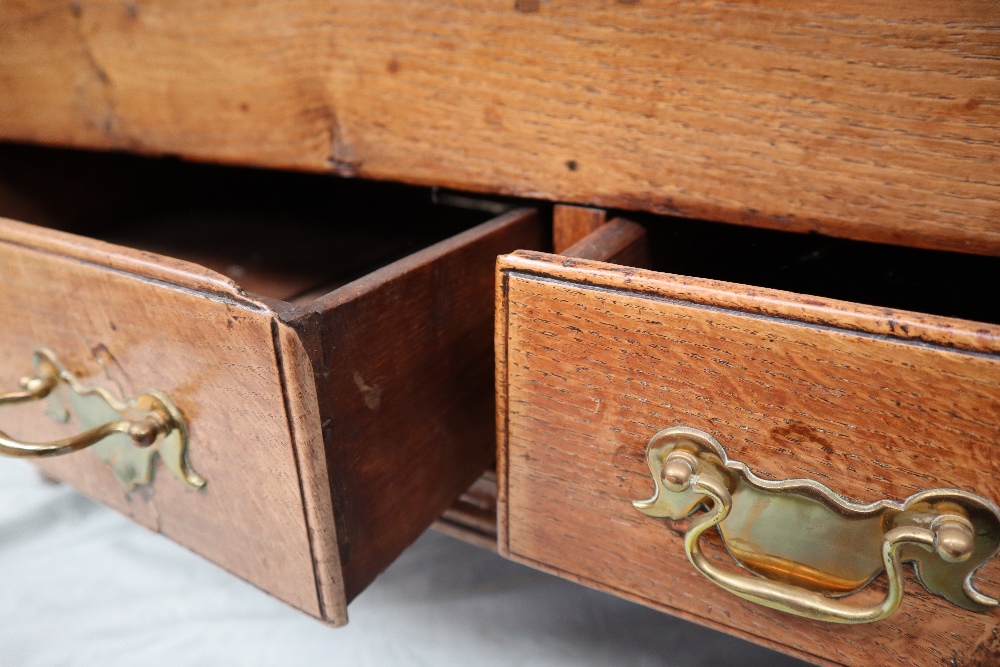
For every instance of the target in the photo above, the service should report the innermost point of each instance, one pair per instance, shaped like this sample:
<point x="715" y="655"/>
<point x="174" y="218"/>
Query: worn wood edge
<point x="706" y="621"/>
<point x="144" y="265"/>
<point x="979" y="242"/>
<point x="302" y="408"/>
<point x="619" y="241"/>
<point x="607" y="241"/>
<point x="501" y="380"/>
<point x="874" y="320"/>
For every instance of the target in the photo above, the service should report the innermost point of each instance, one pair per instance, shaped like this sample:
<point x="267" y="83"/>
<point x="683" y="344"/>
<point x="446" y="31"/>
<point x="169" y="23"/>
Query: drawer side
<point x="411" y="340"/>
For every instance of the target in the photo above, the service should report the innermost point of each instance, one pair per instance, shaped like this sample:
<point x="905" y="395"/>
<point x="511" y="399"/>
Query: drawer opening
<point x="279" y="235"/>
<point x="935" y="282"/>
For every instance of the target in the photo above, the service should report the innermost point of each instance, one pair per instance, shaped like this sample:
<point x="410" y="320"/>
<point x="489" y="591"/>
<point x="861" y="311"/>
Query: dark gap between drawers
<point x="936" y="282"/>
<point x="280" y="235"/>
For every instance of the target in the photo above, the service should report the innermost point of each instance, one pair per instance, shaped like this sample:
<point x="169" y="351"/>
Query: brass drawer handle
<point x="807" y="545"/>
<point x="127" y="436"/>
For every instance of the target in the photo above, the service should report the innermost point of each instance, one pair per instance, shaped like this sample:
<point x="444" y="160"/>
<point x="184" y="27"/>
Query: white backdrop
<point x="80" y="585"/>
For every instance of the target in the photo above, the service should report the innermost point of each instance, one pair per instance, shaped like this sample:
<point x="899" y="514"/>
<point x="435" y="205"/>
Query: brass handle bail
<point x="782" y="531"/>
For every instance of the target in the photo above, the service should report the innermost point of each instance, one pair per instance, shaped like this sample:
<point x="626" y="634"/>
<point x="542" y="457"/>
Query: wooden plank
<point x="304" y="422"/>
<point x="128" y="320"/>
<point x="875" y="121"/>
<point x="618" y="242"/>
<point x="594" y="359"/>
<point x="402" y="361"/>
<point x="571" y="224"/>
<point x="473" y="517"/>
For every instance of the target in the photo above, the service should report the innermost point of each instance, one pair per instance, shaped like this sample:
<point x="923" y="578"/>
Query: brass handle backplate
<point x="806" y="546"/>
<point x="126" y="436"/>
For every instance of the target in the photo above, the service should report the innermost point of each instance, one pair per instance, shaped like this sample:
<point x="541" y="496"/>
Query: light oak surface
<point x="473" y="517"/>
<point x="875" y="121"/>
<point x="593" y="359"/>
<point x="574" y="223"/>
<point x="127" y="320"/>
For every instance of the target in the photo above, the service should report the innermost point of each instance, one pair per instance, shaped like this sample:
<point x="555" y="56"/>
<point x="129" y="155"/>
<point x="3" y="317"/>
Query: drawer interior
<point x="279" y="235"/>
<point x="939" y="283"/>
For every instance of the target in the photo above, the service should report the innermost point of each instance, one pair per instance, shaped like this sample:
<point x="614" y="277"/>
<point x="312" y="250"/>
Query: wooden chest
<point x="338" y="396"/>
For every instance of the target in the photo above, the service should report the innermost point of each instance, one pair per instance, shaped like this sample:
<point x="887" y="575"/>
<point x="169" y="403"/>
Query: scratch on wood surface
<point x="371" y="393"/>
<point x="110" y="121"/>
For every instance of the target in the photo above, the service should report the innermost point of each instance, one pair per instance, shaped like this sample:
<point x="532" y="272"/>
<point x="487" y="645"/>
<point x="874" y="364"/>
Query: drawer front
<point x="593" y="360"/>
<point x="127" y="321"/>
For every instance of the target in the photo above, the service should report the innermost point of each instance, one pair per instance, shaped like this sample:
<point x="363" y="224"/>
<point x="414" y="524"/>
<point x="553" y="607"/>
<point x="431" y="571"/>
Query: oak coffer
<point x="340" y="400"/>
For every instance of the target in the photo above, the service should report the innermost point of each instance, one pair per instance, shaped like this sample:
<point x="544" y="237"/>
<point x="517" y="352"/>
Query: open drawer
<point x="333" y="409"/>
<point x="637" y="408"/>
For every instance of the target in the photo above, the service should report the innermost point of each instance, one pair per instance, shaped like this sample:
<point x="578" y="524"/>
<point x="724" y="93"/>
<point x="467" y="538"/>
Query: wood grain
<point x="402" y="361"/>
<point x="617" y="242"/>
<point x="571" y="224"/>
<point x="594" y="359"/>
<point x="875" y="121"/>
<point x="128" y="320"/>
<point x="473" y="517"/>
<point x="304" y="422"/>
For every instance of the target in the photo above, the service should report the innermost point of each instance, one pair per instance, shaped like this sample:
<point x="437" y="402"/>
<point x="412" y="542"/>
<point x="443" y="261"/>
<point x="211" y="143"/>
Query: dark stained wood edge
<point x="502" y="382"/>
<point x="411" y="340"/>
<point x="617" y="242"/>
<point x="872" y="320"/>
